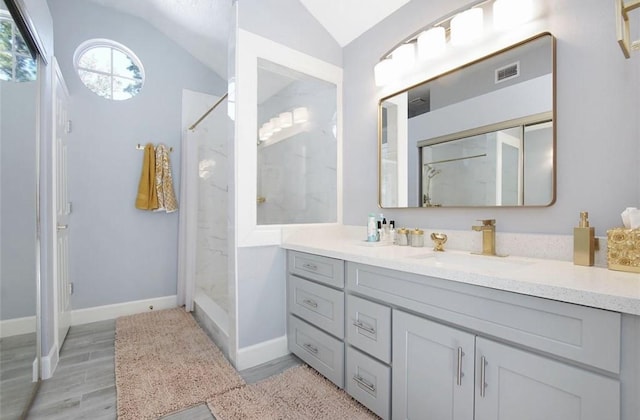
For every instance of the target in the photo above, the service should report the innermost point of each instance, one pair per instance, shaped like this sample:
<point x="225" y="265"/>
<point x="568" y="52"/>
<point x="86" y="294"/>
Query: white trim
<point x="50" y="362"/>
<point x="261" y="353"/>
<point x="17" y="326"/>
<point x="250" y="47"/>
<point x="107" y="312"/>
<point x="34" y="370"/>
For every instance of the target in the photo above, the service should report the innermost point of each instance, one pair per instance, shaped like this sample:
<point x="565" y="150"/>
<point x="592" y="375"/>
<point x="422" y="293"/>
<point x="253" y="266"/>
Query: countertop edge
<point x="581" y="296"/>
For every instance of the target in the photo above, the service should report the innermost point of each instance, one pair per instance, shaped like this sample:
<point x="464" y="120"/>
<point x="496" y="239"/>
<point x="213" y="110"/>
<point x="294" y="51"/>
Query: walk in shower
<point x="204" y="204"/>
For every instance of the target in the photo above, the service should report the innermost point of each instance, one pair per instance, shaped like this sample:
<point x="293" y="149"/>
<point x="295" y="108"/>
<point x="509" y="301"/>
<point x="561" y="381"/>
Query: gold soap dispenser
<point x="584" y="242"/>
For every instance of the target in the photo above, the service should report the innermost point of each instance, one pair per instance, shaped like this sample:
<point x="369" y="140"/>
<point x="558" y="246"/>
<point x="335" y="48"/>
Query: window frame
<point x="90" y="44"/>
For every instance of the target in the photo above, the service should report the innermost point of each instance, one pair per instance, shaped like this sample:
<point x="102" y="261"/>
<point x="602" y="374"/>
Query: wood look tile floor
<point x="83" y="385"/>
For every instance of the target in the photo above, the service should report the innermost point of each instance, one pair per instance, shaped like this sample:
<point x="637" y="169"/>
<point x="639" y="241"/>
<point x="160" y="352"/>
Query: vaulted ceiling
<point x="201" y="26"/>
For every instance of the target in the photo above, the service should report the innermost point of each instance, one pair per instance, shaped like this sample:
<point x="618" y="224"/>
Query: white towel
<point x="164" y="181"/>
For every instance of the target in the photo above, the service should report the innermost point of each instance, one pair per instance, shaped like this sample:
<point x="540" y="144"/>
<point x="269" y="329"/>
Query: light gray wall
<point x="119" y="253"/>
<point x="260" y="270"/>
<point x="18" y="103"/>
<point x="288" y="22"/>
<point x="598" y="123"/>
<point x="262" y="314"/>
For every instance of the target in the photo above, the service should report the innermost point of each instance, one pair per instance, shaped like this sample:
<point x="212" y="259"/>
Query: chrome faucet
<point x="488" y="229"/>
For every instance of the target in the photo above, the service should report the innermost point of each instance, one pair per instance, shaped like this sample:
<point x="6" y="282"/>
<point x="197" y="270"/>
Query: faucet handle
<point x="487" y="222"/>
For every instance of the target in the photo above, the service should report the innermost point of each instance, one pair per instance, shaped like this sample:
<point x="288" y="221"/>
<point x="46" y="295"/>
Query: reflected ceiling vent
<point x="508" y="72"/>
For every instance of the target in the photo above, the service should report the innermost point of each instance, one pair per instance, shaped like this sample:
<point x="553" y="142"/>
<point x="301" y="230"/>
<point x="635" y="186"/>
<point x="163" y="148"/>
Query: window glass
<point x="16" y="63"/>
<point x="109" y="69"/>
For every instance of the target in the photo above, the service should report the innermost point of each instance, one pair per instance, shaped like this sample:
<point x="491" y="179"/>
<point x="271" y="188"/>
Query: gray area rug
<point x="164" y="362"/>
<point x="299" y="393"/>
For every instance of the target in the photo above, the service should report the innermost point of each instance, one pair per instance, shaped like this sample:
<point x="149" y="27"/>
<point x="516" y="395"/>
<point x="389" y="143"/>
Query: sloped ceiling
<point x="346" y="20"/>
<point x="201" y="26"/>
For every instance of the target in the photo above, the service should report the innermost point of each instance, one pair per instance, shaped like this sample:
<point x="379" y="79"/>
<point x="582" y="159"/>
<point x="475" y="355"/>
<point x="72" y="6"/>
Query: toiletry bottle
<point x="392" y="232"/>
<point x="385" y="231"/>
<point x="379" y="231"/>
<point x="372" y="232"/>
<point x="583" y="241"/>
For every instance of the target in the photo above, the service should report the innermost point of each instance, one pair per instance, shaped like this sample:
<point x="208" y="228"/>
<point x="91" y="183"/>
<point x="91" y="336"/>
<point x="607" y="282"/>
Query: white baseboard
<point x="107" y="312"/>
<point x="261" y="353"/>
<point x="17" y="326"/>
<point x="50" y="362"/>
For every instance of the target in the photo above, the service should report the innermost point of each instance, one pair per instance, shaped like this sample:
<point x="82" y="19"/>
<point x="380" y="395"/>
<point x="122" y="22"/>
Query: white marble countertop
<point x="558" y="280"/>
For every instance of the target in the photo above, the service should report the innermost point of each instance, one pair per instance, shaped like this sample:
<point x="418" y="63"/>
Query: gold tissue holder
<point x="623" y="249"/>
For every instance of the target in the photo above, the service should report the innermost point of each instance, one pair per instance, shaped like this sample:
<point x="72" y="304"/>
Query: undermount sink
<point x="474" y="261"/>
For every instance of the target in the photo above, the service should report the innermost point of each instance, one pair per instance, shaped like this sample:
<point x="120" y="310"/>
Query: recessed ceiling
<point x="346" y="20"/>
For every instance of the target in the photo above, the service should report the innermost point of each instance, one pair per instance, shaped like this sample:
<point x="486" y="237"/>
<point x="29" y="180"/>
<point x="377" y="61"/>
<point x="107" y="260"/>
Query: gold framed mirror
<point x="481" y="135"/>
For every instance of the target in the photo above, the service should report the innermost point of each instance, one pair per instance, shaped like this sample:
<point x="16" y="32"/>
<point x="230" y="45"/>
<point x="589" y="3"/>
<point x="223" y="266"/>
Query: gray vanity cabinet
<point x="525" y="386"/>
<point x="442" y="370"/>
<point x="315" y="303"/>
<point x="433" y="370"/>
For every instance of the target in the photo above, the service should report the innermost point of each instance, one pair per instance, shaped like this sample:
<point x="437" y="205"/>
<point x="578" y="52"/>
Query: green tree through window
<point x="16" y="63"/>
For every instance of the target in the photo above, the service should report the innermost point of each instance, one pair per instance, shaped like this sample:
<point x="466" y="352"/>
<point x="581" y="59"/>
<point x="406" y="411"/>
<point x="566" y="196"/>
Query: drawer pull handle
<point x="459" y="372"/>
<point x="310" y="348"/>
<point x="311" y="303"/>
<point x="483" y="383"/>
<point x="310" y="266"/>
<point x="361" y="325"/>
<point x="363" y="382"/>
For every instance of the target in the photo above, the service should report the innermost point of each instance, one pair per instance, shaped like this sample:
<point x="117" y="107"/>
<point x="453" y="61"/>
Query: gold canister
<point x="417" y="238"/>
<point x="623" y="249"/>
<point x="402" y="237"/>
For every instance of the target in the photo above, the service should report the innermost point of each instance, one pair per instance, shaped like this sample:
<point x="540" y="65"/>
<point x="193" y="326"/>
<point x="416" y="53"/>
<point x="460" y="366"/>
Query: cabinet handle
<point x="459" y="372"/>
<point x="363" y="382"/>
<point x="483" y="384"/>
<point x="310" y="266"/>
<point x="311" y="303"/>
<point x="361" y="325"/>
<point x="310" y="348"/>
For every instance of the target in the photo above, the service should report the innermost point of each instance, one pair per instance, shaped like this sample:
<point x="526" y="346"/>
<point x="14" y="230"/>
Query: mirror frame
<point x="463" y="66"/>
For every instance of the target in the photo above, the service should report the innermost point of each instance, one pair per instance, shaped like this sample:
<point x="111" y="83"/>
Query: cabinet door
<point x="524" y="386"/>
<point x="433" y="368"/>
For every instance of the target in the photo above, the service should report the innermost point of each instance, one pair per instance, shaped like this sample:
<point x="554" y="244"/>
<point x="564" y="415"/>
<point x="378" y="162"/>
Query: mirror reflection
<point x="297" y="147"/>
<point x="18" y="189"/>
<point x="481" y="135"/>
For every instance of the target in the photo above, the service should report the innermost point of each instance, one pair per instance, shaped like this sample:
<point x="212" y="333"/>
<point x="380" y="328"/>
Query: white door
<point x="61" y="125"/>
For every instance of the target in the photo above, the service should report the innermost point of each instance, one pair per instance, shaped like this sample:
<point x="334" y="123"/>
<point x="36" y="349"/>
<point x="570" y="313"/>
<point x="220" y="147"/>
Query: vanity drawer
<point x="318" y="349"/>
<point x="318" y="304"/>
<point x="368" y="381"/>
<point x="315" y="267"/>
<point x="369" y="327"/>
<point x="586" y="335"/>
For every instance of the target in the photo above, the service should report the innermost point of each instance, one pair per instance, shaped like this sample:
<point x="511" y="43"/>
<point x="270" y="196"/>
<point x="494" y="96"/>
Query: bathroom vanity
<point x="407" y="332"/>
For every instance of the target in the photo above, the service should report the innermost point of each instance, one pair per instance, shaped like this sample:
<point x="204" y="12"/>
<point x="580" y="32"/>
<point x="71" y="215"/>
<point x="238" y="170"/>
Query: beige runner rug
<point x="164" y="362"/>
<point x="299" y="393"/>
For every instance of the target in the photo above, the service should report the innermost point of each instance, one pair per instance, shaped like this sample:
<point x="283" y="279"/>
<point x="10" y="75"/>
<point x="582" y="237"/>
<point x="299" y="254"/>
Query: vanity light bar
<point x="284" y="120"/>
<point x="463" y="26"/>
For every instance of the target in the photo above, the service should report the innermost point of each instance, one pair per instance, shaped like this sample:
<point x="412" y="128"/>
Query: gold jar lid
<point x="417" y="232"/>
<point x="403" y="231"/>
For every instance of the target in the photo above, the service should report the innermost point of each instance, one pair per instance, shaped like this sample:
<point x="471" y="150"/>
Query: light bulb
<point x="404" y="56"/>
<point x="275" y="121"/>
<point x="508" y="14"/>
<point x="431" y="43"/>
<point x="286" y="119"/>
<point x="466" y="26"/>
<point x="300" y="115"/>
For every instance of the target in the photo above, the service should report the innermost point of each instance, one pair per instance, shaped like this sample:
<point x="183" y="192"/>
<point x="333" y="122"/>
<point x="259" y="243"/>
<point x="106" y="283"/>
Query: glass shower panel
<point x="297" y="147"/>
<point x="211" y="254"/>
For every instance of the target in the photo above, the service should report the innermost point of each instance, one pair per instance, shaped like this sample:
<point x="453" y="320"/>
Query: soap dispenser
<point x="583" y="241"/>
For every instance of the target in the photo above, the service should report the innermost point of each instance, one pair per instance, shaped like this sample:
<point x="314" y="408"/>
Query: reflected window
<point x="16" y="63"/>
<point x="109" y="69"/>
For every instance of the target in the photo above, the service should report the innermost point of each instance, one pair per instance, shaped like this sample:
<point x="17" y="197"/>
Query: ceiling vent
<point x="508" y="72"/>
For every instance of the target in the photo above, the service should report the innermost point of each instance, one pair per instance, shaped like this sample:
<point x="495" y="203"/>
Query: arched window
<point x="109" y="69"/>
<point x="16" y="63"/>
